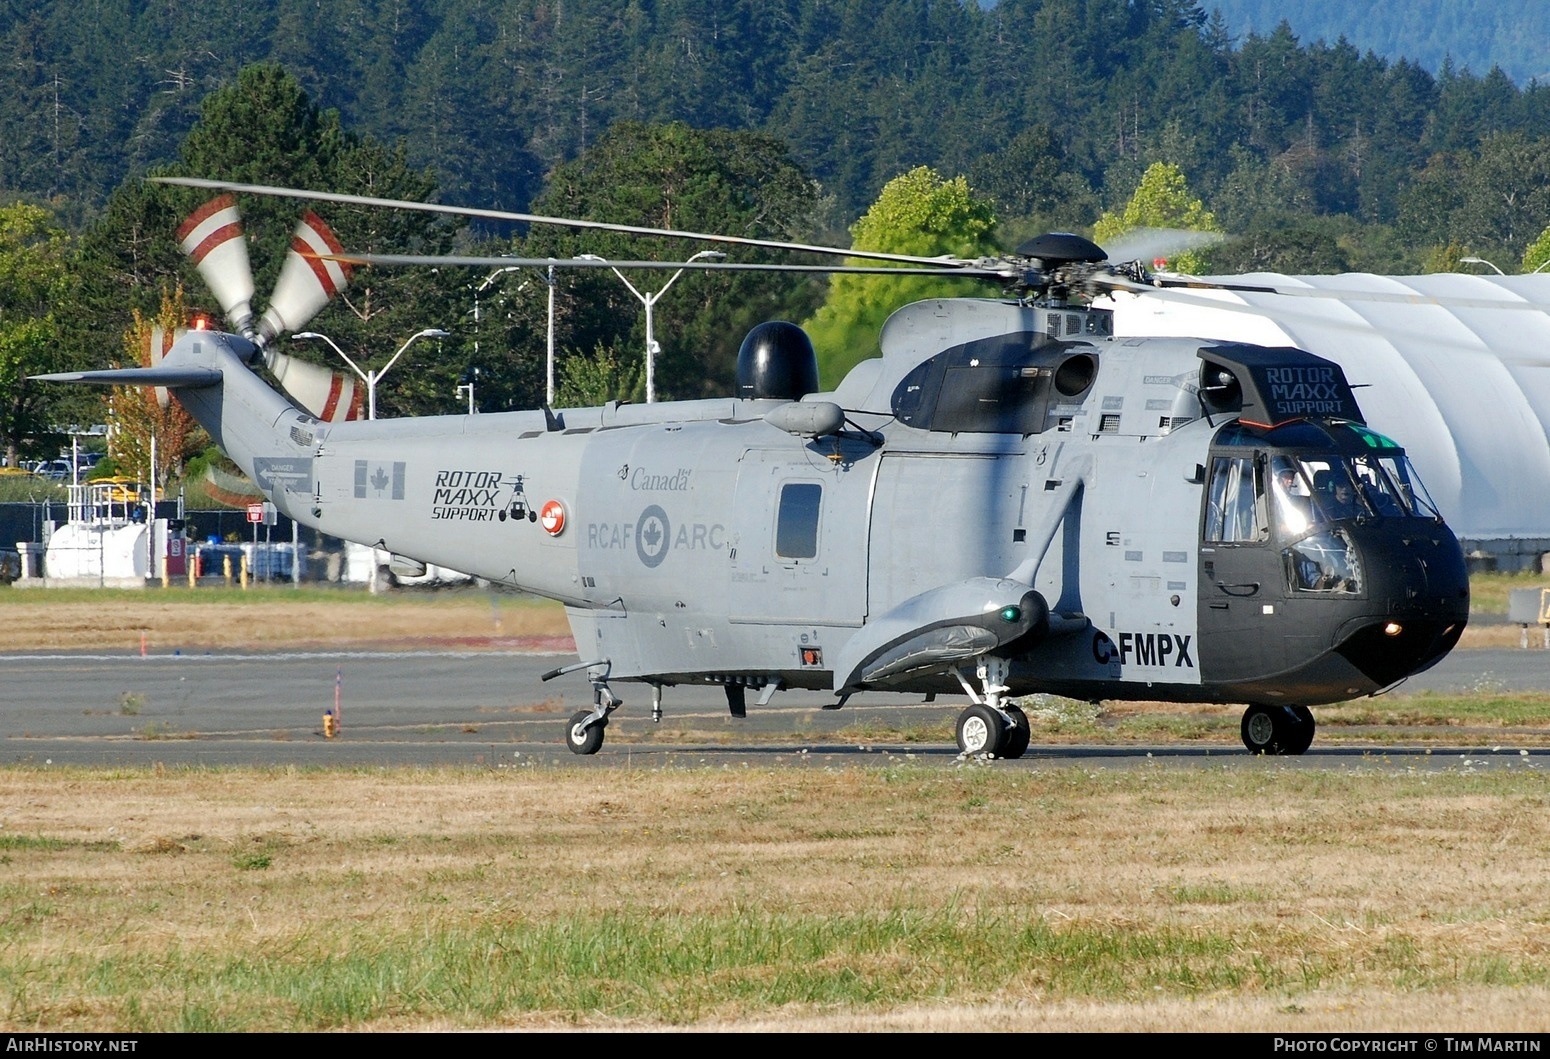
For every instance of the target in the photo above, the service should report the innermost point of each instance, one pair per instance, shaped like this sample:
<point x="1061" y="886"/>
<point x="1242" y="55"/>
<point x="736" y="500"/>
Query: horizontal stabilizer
<point x="177" y="378"/>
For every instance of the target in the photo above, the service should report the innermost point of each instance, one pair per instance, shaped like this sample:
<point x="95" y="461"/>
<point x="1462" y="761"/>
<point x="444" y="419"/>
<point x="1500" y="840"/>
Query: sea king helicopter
<point x="1010" y="500"/>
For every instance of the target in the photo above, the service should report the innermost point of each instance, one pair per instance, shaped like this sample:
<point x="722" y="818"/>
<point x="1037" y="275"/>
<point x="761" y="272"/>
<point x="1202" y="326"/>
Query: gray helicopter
<point x="1010" y="500"/>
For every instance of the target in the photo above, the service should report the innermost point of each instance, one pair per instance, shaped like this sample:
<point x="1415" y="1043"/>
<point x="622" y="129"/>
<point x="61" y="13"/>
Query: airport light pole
<point x="649" y="300"/>
<point x="549" y="365"/>
<point x="372" y="377"/>
<point x="1483" y="261"/>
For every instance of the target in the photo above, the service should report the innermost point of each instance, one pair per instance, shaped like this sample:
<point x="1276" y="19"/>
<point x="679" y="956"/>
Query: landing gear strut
<point x="584" y="731"/>
<point x="991" y="727"/>
<point x="1277" y="729"/>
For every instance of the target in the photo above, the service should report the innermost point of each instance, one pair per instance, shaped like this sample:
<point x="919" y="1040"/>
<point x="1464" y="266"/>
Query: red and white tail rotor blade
<point x="307" y="281"/>
<point x="212" y="238"/>
<point x="332" y="396"/>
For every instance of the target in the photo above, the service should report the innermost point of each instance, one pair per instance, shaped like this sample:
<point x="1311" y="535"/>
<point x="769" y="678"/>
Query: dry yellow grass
<point x="46" y="619"/>
<point x="1254" y="898"/>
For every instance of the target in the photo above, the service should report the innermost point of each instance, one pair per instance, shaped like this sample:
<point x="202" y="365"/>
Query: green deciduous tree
<point x="1537" y="255"/>
<point x="1161" y="200"/>
<point x="36" y="286"/>
<point x="588" y="379"/>
<point x="920" y="214"/>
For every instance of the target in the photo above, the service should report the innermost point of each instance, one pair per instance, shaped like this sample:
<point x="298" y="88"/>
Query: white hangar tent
<point x="1456" y="368"/>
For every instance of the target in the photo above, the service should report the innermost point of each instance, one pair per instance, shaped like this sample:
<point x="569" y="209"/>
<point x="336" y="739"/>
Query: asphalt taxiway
<point x="490" y="708"/>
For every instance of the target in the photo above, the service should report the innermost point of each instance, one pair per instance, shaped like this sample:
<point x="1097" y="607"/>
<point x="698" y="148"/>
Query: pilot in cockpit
<point x="1292" y="505"/>
<point x="1336" y="496"/>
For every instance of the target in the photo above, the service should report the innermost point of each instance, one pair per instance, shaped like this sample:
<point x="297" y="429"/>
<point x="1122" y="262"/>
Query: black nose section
<point x="1418" y="601"/>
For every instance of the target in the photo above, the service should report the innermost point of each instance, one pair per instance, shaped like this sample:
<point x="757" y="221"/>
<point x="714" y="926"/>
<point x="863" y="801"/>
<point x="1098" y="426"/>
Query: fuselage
<point x="712" y="541"/>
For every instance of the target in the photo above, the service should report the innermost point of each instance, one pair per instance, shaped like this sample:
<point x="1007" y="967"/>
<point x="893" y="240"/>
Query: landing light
<point x="1393" y="628"/>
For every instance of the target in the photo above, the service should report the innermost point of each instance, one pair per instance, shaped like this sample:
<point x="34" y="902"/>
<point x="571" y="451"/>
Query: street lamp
<point x="549" y="279"/>
<point x="649" y="300"/>
<point x="480" y="289"/>
<point x="468" y="386"/>
<point x="371" y="378"/>
<point x="1481" y="261"/>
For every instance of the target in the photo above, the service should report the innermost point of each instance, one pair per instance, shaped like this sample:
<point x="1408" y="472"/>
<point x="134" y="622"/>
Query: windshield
<point x="1310" y="490"/>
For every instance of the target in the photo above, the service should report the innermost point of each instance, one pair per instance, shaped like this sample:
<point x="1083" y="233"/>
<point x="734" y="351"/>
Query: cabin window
<point x="1235" y="508"/>
<point x="796" y="524"/>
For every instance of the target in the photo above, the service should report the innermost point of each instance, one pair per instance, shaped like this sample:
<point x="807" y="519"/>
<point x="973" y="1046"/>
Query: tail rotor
<point x="213" y="239"/>
<point x="307" y="282"/>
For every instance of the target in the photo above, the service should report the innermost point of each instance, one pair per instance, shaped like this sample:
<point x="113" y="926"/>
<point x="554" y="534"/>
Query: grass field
<point x="1248" y="896"/>
<point x="267" y="616"/>
<point x="1253" y="896"/>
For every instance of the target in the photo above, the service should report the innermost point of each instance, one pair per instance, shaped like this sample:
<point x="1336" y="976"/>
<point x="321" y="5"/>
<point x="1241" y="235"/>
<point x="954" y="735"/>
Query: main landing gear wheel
<point x="1301" y="736"/>
<point x="982" y="732"/>
<point x="583" y="738"/>
<point x="1277" y="729"/>
<point x="1017" y="736"/>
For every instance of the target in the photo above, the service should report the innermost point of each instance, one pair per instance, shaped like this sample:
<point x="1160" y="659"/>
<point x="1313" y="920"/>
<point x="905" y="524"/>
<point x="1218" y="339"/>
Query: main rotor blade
<point x="943" y="263"/>
<point x="1184" y="284"/>
<point x="968" y="271"/>
<point x="1300" y="315"/>
<point x="1147" y="244"/>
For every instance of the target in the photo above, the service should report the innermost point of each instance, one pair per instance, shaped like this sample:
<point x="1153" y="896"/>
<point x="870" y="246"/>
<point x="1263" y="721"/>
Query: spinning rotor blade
<point x="975" y="270"/>
<point x="332" y="396"/>
<point x="944" y="263"/>
<point x="212" y="238"/>
<point x="312" y="274"/>
<point x="1147" y="245"/>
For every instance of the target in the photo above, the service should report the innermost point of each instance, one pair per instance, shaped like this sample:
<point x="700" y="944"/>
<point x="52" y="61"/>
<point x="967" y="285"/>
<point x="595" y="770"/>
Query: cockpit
<point x="1304" y="485"/>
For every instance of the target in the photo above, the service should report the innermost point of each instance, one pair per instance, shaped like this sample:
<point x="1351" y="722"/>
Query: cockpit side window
<point x="1235" y="505"/>
<point x="1292" y="494"/>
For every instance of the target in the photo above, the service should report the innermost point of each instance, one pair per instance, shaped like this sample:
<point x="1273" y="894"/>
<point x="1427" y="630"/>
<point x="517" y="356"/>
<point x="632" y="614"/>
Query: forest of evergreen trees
<point x="493" y="94"/>
<point x="1511" y="34"/>
<point x="1315" y="156"/>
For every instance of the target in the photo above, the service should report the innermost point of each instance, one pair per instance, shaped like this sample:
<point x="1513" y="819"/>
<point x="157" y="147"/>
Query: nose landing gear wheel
<point x="583" y="739"/>
<point x="1277" y="729"/>
<point x="981" y="732"/>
